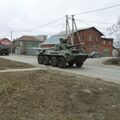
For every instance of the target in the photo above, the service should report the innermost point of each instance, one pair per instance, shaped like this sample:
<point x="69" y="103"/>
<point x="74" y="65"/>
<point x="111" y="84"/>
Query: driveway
<point x="91" y="68"/>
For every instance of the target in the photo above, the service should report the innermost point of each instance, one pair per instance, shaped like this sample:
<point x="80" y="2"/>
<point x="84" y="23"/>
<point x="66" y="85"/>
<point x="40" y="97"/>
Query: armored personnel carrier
<point x="62" y="55"/>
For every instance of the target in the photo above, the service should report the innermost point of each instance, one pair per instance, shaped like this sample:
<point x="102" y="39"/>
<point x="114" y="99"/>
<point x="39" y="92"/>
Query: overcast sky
<point x="21" y="15"/>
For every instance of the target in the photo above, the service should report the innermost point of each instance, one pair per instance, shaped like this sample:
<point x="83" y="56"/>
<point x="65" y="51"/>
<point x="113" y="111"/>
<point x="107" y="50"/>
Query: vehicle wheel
<point x="45" y="60"/>
<point x="40" y="59"/>
<point x="54" y="61"/>
<point x="71" y="63"/>
<point x="61" y="62"/>
<point x="79" y="64"/>
<point x="6" y="53"/>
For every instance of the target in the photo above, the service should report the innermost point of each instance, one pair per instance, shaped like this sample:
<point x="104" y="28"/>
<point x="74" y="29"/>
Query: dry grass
<point x="49" y="95"/>
<point x="8" y="64"/>
<point x="113" y="61"/>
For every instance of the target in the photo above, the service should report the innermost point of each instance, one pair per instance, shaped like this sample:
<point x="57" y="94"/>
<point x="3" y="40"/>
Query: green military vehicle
<point x="4" y="50"/>
<point x="62" y="55"/>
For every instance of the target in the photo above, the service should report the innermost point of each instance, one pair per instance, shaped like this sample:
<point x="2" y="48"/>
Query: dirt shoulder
<point x="51" y="95"/>
<point x="112" y="61"/>
<point x="8" y="64"/>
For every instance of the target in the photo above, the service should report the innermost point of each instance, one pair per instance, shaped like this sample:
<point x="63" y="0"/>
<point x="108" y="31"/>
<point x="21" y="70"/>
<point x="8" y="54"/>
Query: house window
<point x="90" y="38"/>
<point x="109" y="42"/>
<point x="104" y="42"/>
<point x="21" y="43"/>
<point x="81" y="37"/>
<point x="97" y="38"/>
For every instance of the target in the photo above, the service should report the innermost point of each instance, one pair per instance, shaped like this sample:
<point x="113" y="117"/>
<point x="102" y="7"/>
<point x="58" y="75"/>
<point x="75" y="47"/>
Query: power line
<point x="90" y="21"/>
<point x="5" y="34"/>
<point x="97" y="10"/>
<point x="92" y="11"/>
<point x="42" y="25"/>
<point x="87" y="12"/>
<point x="90" y="25"/>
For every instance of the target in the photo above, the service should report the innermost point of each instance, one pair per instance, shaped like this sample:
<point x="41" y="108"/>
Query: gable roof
<point x="81" y="29"/>
<point x="87" y="28"/>
<point x="55" y="38"/>
<point x="4" y="39"/>
<point x="25" y="37"/>
<point x="30" y="38"/>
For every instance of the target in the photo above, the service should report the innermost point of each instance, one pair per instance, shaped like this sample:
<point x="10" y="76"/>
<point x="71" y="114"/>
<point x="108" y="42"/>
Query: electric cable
<point x="97" y="10"/>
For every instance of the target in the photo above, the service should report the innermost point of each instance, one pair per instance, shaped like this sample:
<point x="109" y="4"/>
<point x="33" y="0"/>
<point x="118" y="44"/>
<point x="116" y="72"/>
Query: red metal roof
<point x="4" y="39"/>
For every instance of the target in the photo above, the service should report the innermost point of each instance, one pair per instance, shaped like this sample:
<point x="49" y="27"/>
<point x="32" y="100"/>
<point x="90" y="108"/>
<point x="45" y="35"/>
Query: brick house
<point x="106" y="46"/>
<point x="93" y="40"/>
<point x="5" y="41"/>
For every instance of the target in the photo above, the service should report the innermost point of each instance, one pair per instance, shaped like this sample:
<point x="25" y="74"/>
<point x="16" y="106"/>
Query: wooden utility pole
<point x="73" y="29"/>
<point x="66" y="26"/>
<point x="79" y="38"/>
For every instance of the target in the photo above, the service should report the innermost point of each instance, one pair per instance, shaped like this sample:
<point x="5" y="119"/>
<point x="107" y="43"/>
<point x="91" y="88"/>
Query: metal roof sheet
<point x="53" y="39"/>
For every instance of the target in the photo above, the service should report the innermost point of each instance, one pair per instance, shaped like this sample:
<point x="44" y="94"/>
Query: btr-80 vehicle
<point x="62" y="55"/>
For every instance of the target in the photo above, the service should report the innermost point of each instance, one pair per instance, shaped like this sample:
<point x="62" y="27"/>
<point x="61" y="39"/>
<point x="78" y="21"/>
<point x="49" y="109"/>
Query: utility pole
<point x="11" y="34"/>
<point x="72" y="29"/>
<point x="79" y="38"/>
<point x="66" y="26"/>
<point x="75" y="27"/>
<point x="68" y="30"/>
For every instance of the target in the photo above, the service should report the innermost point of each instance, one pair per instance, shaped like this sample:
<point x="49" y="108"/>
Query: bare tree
<point x="118" y="32"/>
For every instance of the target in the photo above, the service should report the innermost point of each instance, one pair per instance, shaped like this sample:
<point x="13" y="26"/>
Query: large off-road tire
<point x="40" y="59"/>
<point x="61" y="62"/>
<point x="79" y="64"/>
<point x="71" y="63"/>
<point x="7" y="53"/>
<point x="54" y="61"/>
<point x="45" y="60"/>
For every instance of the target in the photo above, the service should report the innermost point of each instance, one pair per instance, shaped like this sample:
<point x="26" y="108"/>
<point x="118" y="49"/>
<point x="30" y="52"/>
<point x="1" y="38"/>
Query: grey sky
<point x="20" y="15"/>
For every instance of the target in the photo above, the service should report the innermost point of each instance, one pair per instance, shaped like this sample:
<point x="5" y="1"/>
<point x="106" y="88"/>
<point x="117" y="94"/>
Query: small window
<point x="109" y="42"/>
<point x="97" y="38"/>
<point x="21" y="43"/>
<point x="90" y="38"/>
<point x="104" y="42"/>
<point x="81" y="37"/>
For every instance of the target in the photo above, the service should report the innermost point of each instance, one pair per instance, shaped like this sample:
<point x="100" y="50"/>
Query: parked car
<point x="4" y="50"/>
<point x="95" y="54"/>
<point x="118" y="52"/>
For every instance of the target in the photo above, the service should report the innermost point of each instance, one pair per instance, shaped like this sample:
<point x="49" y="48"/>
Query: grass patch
<point x="49" y="95"/>
<point x="113" y="61"/>
<point x="8" y="64"/>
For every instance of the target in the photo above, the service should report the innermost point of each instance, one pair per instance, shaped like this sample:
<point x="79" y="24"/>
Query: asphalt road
<point x="92" y="68"/>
